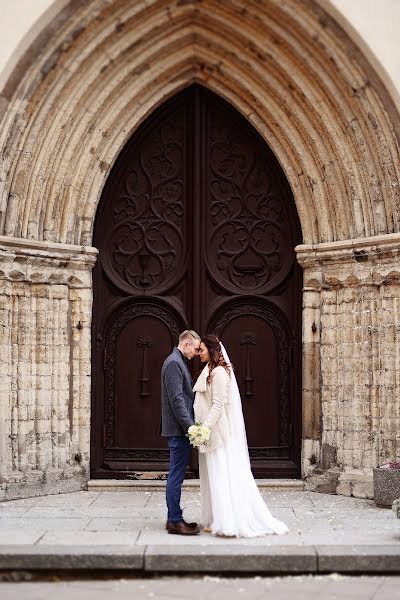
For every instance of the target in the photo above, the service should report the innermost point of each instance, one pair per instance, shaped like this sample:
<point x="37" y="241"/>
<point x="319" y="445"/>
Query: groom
<point x="177" y="416"/>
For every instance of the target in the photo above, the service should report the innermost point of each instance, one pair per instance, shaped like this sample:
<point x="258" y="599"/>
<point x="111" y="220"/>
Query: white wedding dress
<point x="231" y="503"/>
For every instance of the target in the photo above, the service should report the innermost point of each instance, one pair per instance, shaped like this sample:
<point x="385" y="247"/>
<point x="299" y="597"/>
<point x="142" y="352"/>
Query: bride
<point x="231" y="504"/>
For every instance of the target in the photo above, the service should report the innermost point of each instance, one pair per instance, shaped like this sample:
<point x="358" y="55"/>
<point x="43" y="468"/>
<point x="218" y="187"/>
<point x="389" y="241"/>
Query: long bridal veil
<point x="251" y="515"/>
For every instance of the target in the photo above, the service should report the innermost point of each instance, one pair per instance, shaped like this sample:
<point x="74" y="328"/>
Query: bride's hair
<point x="213" y="346"/>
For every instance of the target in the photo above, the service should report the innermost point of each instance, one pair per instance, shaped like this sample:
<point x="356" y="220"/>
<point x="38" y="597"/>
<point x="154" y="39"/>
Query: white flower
<point x="198" y="434"/>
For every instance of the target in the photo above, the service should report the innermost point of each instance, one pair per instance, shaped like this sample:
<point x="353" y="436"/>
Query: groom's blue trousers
<point x="179" y="456"/>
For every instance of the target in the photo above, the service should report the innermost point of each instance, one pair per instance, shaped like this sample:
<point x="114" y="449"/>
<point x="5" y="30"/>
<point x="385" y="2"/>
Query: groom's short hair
<point x="187" y="335"/>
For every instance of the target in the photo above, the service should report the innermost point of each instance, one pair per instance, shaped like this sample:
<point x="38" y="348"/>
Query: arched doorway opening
<point x="196" y="228"/>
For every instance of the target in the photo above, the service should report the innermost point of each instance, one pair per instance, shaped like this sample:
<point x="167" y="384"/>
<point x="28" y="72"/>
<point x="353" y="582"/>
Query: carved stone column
<point x="351" y="361"/>
<point x="45" y="317"/>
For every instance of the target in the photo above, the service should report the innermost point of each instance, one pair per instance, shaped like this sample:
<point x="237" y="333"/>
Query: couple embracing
<point x="231" y="504"/>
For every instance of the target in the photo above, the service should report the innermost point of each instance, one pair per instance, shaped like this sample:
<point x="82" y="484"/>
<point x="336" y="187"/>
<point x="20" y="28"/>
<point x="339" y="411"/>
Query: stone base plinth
<point x="386" y="486"/>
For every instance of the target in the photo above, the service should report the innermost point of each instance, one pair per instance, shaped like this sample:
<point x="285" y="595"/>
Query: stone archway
<point x="308" y="90"/>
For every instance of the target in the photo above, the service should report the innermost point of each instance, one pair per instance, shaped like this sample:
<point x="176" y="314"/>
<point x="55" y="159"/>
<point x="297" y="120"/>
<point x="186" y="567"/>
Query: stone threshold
<point x="154" y="485"/>
<point x="230" y="558"/>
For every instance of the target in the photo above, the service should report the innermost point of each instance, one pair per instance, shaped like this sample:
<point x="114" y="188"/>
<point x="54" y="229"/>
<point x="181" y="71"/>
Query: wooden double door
<point x="196" y="228"/>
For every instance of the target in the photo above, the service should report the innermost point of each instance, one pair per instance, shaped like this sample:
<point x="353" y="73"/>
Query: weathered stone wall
<point x="45" y="314"/>
<point x="351" y="362"/>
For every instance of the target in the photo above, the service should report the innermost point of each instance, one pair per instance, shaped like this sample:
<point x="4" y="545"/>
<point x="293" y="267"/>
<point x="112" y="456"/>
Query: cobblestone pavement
<point x="138" y="518"/>
<point x="305" y="587"/>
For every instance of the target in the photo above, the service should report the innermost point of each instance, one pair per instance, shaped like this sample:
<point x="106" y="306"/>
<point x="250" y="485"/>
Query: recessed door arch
<point x="196" y="220"/>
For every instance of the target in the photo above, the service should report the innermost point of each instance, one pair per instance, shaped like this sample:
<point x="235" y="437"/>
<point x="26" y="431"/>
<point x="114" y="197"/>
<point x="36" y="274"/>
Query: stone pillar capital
<point x="46" y="262"/>
<point x="379" y="248"/>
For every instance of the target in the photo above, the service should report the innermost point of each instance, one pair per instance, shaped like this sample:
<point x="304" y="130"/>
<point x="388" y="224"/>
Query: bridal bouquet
<point x="198" y="434"/>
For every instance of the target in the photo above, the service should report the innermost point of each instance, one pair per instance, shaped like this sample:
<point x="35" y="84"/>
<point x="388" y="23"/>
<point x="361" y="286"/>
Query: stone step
<point x="154" y="485"/>
<point x="170" y="559"/>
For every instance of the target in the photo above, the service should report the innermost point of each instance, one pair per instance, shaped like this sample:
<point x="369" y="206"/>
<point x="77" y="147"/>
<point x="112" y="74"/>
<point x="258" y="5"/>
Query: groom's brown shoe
<point x="182" y="528"/>
<point x="191" y="525"/>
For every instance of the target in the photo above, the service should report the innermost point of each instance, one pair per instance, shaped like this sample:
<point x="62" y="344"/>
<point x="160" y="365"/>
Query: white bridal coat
<point x="231" y="503"/>
<point x="211" y="404"/>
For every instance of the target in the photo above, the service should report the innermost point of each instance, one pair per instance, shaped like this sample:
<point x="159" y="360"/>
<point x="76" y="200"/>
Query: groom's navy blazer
<point x="177" y="396"/>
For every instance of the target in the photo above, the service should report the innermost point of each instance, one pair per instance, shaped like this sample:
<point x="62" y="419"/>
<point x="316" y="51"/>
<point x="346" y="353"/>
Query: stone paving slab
<point x="43" y="523"/>
<point x="99" y="538"/>
<point x="26" y="501"/>
<point x="121" y="499"/>
<point x="123" y="524"/>
<point x="89" y="512"/>
<point x="21" y="537"/>
<point x="78" y="499"/>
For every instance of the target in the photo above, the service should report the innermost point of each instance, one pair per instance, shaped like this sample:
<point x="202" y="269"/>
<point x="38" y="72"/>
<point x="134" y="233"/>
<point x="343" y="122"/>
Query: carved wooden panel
<point x="249" y="246"/>
<point x="132" y="372"/>
<point x="143" y="246"/>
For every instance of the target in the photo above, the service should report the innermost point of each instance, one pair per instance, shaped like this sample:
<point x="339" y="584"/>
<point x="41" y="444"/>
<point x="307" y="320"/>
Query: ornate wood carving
<point x="268" y="453"/>
<point x="249" y="247"/>
<point x="145" y="343"/>
<point x="247" y="339"/>
<point x="148" y="454"/>
<point x="144" y="244"/>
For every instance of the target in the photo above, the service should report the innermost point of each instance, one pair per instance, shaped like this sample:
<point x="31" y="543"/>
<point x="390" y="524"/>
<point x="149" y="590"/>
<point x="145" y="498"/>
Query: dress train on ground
<point x="231" y="502"/>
